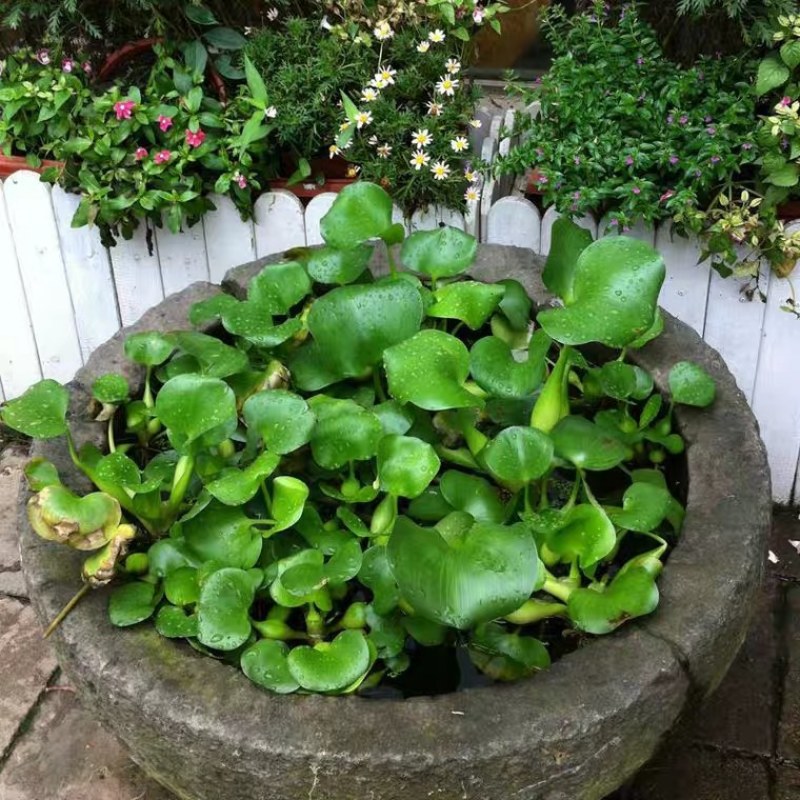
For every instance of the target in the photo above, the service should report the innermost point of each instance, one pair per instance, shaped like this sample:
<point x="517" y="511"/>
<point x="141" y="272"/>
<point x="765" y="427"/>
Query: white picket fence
<point x="62" y="293"/>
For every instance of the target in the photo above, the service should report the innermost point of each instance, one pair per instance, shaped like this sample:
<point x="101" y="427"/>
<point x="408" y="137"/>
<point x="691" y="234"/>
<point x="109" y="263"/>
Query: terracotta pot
<point x="520" y="30"/>
<point x="310" y="188"/>
<point x="789" y="211"/>
<point x="11" y="164"/>
<point x="534" y="187"/>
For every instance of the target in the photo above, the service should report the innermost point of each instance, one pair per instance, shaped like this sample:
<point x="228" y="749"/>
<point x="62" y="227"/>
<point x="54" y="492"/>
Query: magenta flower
<point x="683" y="119"/>
<point x="195" y="138"/>
<point x="240" y="179"/>
<point x="640" y="61"/>
<point x="576" y="195"/>
<point x="666" y="196"/>
<point x="747" y="146"/>
<point x="43" y="57"/>
<point x="67" y="65"/>
<point x="124" y="108"/>
<point x="87" y="67"/>
<point x="477" y="15"/>
<point x="162" y="156"/>
<point x="673" y="160"/>
<point x="629" y="160"/>
<point x="576" y="160"/>
<point x="786" y="101"/>
<point x="715" y="159"/>
<point x="542" y="179"/>
<point x="140" y="153"/>
<point x="614" y="222"/>
<point x="670" y="119"/>
<point x="636" y="190"/>
<point x="165" y="123"/>
<point x="711" y="130"/>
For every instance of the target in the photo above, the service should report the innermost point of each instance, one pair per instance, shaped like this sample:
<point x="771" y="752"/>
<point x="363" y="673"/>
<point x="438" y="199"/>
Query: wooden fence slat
<point x="515" y="221"/>
<point x="279" y="223"/>
<point x="685" y="291"/>
<point x="315" y="211"/>
<point x="230" y="240"/>
<point x="643" y="231"/>
<point x="435" y="217"/>
<point x="182" y="257"/>
<point x="733" y="327"/>
<point x="94" y="299"/>
<point x="19" y="359"/>
<point x="30" y="213"/>
<point x="137" y="275"/>
<point x="550" y="216"/>
<point x="477" y="135"/>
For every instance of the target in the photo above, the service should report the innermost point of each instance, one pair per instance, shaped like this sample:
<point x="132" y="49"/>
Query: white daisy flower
<point x="353" y="170"/>
<point x="447" y="85"/>
<point x="334" y="150"/>
<point x="369" y="95"/>
<point x="452" y="65"/>
<point x="470" y="175"/>
<point x="384" y="151"/>
<point x="472" y="195"/>
<point x="434" y="108"/>
<point x="373" y="140"/>
<point x="419" y="160"/>
<point x="423" y="47"/>
<point x="440" y="170"/>
<point x="271" y="112"/>
<point x="386" y="74"/>
<point x="344" y="126"/>
<point x="363" y="118"/>
<point x="383" y="31"/>
<point x="459" y="144"/>
<point x="436" y="36"/>
<point x="272" y="14"/>
<point x="378" y="82"/>
<point x="421" y="138"/>
<point x="476" y="123"/>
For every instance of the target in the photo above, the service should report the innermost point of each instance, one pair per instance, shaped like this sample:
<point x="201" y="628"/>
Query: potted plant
<point x="342" y="471"/>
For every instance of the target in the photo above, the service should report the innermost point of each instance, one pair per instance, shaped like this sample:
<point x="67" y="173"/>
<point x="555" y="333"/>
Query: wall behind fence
<point x="62" y="293"/>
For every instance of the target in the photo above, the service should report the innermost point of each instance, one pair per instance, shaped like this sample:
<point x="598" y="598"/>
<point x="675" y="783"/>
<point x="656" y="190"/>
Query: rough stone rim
<point x="462" y="737"/>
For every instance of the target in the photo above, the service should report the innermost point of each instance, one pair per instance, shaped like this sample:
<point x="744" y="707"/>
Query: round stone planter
<point x="575" y="732"/>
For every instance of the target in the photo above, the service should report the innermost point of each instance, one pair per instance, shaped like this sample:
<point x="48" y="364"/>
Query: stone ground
<point x="743" y="744"/>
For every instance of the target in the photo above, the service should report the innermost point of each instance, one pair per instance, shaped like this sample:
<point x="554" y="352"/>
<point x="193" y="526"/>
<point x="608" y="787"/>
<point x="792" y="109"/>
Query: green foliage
<point x="317" y="532"/>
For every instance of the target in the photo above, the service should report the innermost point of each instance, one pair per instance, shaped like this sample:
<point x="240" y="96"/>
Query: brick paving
<point x="742" y="744"/>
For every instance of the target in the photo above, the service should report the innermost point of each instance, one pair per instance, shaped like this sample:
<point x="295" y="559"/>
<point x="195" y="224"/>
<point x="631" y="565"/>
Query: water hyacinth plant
<point x="348" y="468"/>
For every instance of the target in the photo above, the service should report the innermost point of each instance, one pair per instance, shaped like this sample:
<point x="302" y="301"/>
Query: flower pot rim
<point x="576" y="731"/>
<point x="11" y="164"/>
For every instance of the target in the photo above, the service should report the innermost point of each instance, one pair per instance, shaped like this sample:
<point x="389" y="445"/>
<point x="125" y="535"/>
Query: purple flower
<point x="684" y="119"/>
<point x="673" y="159"/>
<point x="786" y="101"/>
<point x="67" y="65"/>
<point x="711" y="130"/>
<point x="670" y="119"/>
<point x="698" y="173"/>
<point x="539" y="152"/>
<point x="636" y="190"/>
<point x="784" y="143"/>
<point x="43" y="57"/>
<point x="614" y="222"/>
<point x="629" y="160"/>
<point x="576" y="160"/>
<point x="576" y="195"/>
<point x="640" y="61"/>
<point x="666" y="196"/>
<point x="542" y="179"/>
<point x="707" y="120"/>
<point x="87" y="67"/>
<point x="747" y="146"/>
<point x="715" y="159"/>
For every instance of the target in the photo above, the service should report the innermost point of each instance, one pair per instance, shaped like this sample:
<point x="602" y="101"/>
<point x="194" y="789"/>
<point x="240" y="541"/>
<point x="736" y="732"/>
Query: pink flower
<point x="87" y="67"/>
<point x="162" y="156"/>
<point x="636" y="190"/>
<point x="673" y="160"/>
<point x="477" y="15"/>
<point x="165" y="123"/>
<point x="786" y="101"/>
<point x="67" y="65"/>
<point x="195" y="138"/>
<point x="240" y="179"/>
<point x="684" y="119"/>
<point x="124" y="108"/>
<point x="140" y="153"/>
<point x="43" y="57"/>
<point x="666" y="196"/>
<point x="629" y="160"/>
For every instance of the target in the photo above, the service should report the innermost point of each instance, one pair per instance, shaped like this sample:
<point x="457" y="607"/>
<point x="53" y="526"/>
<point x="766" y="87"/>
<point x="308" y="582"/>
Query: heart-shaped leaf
<point x="182" y="587"/>
<point x="615" y="294"/>
<point x="386" y="633"/>
<point x="216" y="359"/>
<point x="223" y="534"/>
<point x="351" y="327"/>
<point x="361" y="211"/>
<point x="430" y="506"/>
<point x="236" y="486"/>
<point x="344" y="432"/>
<point x="515" y="305"/>
<point x="425" y="631"/>
<point x="132" y="603"/>
<point x="585" y="532"/>
<point x="618" y="380"/>
<point x="150" y="348"/>
<point x="85" y="523"/>
<point x="40" y="473"/>
<point x="394" y="417"/>
<point x="41" y="412"/>
<point x="304" y="571"/>
<point x="329" y="265"/>
<point x="345" y="563"/>
<point x="279" y="287"/>
<point x="281" y="419"/>
<point x="654" y="477"/>
<point x="376" y="575"/>
<point x="112" y="389"/>
<point x="406" y="465"/>
<point x="644" y="508"/>
<point x="587" y="445"/>
<point x="118" y="470"/>
<point x="519" y="455"/>
<point x="223" y="620"/>
<point x="496" y="370"/>
<point x="266" y="664"/>
<point x="505" y="656"/>
<point x="472" y="494"/>
<point x="331" y="666"/>
<point x="486" y="574"/>
<point x="195" y="406"/>
<point x="691" y="385"/>
<point x="429" y="370"/>
<point x="569" y="240"/>
<point x="440" y="253"/>
<point x="289" y="497"/>
<point x="472" y="302"/>
<point x="175" y="623"/>
<point x="633" y="593"/>
<point x="167" y="555"/>
<point x="253" y="322"/>
<point x="213" y="308"/>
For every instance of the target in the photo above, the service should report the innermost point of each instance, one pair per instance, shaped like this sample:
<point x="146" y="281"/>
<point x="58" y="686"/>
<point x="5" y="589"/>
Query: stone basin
<point x="574" y="732"/>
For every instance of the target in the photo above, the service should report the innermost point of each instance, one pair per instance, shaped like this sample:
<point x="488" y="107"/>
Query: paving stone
<point x="785" y="529"/>
<point x="699" y="774"/>
<point x="12" y="460"/>
<point x="13" y="584"/>
<point x="787" y="784"/>
<point x="741" y="714"/>
<point x="66" y="755"/>
<point x="789" y="729"/>
<point x="26" y="665"/>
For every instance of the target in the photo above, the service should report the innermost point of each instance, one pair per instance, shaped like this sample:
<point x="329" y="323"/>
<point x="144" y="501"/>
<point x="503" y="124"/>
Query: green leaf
<point x="497" y="371"/>
<point x="618" y="380"/>
<point x="429" y="370"/>
<point x="167" y="555"/>
<point x="615" y="292"/>
<point x="691" y="385"/>
<point x="255" y="83"/>
<point x="440" y="253"/>
<point x="772" y="73"/>
<point x="223" y="620"/>
<point x="585" y="532"/>
<point x="386" y="633"/>
<point x="569" y="240"/>
<point x="472" y="494"/>
<point x="279" y="287"/>
<point x="41" y="412"/>
<point x="515" y="305"/>
<point x="132" y="603"/>
<point x="118" y="470"/>
<point x="112" y="389"/>
<point x="486" y="573"/>
<point x="344" y="432"/>
<point x="181" y="586"/>
<point x="222" y="534"/>
<point x="194" y="406"/>
<point x="586" y="445"/>
<point x="376" y="575"/>
<point x="345" y="563"/>
<point x="266" y="664"/>
<point x="394" y="417"/>
<point x="472" y="302"/>
<point x="329" y="265"/>
<point x="361" y="211"/>
<point x="424" y="631"/>
<point x="149" y="349"/>
<point x="331" y="667"/>
<point x="40" y="473"/>
<point x="506" y="656"/>
<point x="519" y="455"/>
<point x="225" y="39"/>
<point x="235" y="487"/>
<point x="281" y="419"/>
<point x="644" y="508"/>
<point x="196" y="56"/>
<point x="213" y="308"/>
<point x="250" y="321"/>
<point x="633" y="593"/>
<point x="200" y="15"/>
<point x="216" y="359"/>
<point x="790" y="53"/>
<point x="406" y="465"/>
<point x="175" y="623"/>
<point x="788" y="175"/>
<point x="289" y="497"/>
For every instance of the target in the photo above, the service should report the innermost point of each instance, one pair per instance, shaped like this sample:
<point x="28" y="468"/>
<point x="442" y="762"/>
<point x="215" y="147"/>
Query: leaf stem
<point x="62" y="615"/>
<point x="112" y="445"/>
<point x="392" y="262"/>
<point x="147" y="397"/>
<point x="556" y="588"/>
<point x="180" y="483"/>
